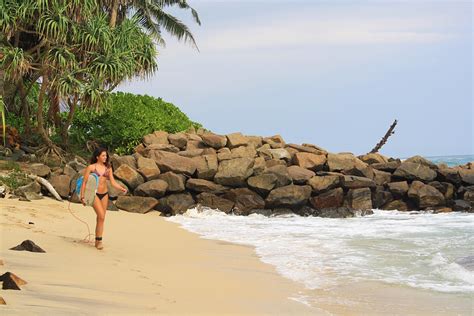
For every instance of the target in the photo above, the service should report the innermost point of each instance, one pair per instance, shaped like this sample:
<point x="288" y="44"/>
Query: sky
<point x="332" y="73"/>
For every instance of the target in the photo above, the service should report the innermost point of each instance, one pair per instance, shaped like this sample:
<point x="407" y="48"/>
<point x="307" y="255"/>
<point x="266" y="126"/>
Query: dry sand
<point x="148" y="266"/>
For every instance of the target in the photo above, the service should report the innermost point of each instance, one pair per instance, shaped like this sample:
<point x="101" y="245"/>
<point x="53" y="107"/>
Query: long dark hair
<point x="97" y="152"/>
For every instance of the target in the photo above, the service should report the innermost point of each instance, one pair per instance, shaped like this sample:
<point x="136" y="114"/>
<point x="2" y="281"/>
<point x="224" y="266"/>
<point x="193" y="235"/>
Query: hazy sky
<point x="332" y="73"/>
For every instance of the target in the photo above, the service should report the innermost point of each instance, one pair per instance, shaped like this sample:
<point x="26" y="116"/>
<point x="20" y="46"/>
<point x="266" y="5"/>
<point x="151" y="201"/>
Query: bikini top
<point x="105" y="174"/>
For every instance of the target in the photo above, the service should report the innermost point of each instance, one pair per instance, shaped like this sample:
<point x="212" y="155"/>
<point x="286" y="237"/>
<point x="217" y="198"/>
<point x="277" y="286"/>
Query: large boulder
<point x="159" y="147"/>
<point x="33" y="187"/>
<point x="398" y="189"/>
<point x="175" y="204"/>
<point x="236" y="140"/>
<point x="136" y="204"/>
<point x="422" y="161"/>
<point x="176" y="182"/>
<point x="116" y="161"/>
<point x="263" y="183"/>
<point x="360" y="198"/>
<point x="462" y="206"/>
<point x="444" y="187"/>
<point x="329" y="199"/>
<point x="114" y="192"/>
<point x="275" y="141"/>
<point x="61" y="184"/>
<point x="281" y="172"/>
<point x="168" y="161"/>
<point x="372" y="158"/>
<point x="39" y="169"/>
<point x="425" y="195"/>
<point x="129" y="176"/>
<point x="206" y="166"/>
<point x="353" y="182"/>
<point x="308" y="149"/>
<point x="215" y="202"/>
<point x="178" y="140"/>
<point x="157" y="137"/>
<point x="147" y="168"/>
<point x="381" y="197"/>
<point x="202" y="185"/>
<point x="415" y="171"/>
<point x="325" y="182"/>
<point x="191" y="153"/>
<point x="280" y="153"/>
<point x="214" y="141"/>
<point x="153" y="188"/>
<point x="450" y="175"/>
<point x="288" y="196"/>
<point x="382" y="177"/>
<point x="467" y="176"/>
<point x="245" y="200"/>
<point x="396" y="205"/>
<point x="310" y="161"/>
<point x="243" y="152"/>
<point x="300" y="175"/>
<point x="390" y="166"/>
<point x="234" y="172"/>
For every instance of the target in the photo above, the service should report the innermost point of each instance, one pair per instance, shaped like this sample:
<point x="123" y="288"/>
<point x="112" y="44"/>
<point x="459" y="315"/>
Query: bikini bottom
<point x="101" y="195"/>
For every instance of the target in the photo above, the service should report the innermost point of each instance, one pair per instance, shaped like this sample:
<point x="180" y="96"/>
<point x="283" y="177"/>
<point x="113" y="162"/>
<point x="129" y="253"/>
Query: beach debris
<point x="31" y="223"/>
<point x="2" y="301"/>
<point x="47" y="185"/>
<point x="28" y="245"/>
<point x="3" y="191"/>
<point x="11" y="281"/>
<point x="384" y="139"/>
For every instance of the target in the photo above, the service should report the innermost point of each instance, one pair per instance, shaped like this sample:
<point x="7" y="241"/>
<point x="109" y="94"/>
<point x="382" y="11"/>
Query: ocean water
<point x="420" y="250"/>
<point x="451" y="161"/>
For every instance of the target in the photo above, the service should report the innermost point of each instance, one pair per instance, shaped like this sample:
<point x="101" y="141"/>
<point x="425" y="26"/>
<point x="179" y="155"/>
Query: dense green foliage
<point x="122" y="124"/>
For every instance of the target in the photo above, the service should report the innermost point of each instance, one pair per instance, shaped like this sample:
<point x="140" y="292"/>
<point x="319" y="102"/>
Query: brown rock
<point x="160" y="147"/>
<point x="195" y="144"/>
<point x="236" y="140"/>
<point x="324" y="183"/>
<point x="263" y="183"/>
<point x="114" y="192"/>
<point x="390" y="166"/>
<point x="234" y="172"/>
<point x="307" y="149"/>
<point x="129" y="176"/>
<point x="153" y="188"/>
<point x="157" y="137"/>
<point x="353" y="182"/>
<point x="176" y="182"/>
<point x="259" y="166"/>
<point x="381" y="177"/>
<point x="422" y="161"/>
<point x="206" y="166"/>
<point x="2" y="301"/>
<point x="215" y="202"/>
<point x="39" y="169"/>
<point x="136" y="204"/>
<point x="178" y="140"/>
<point x="191" y="153"/>
<point x="281" y="173"/>
<point x="116" y="161"/>
<point x="360" y="198"/>
<point x="398" y="205"/>
<point x="310" y="161"/>
<point x="11" y="281"/>
<point x="425" y="195"/>
<point x="167" y="161"/>
<point x="415" y="171"/>
<point x="373" y="158"/>
<point x="275" y="141"/>
<point x="214" y="141"/>
<point x="176" y="203"/>
<point x="398" y="189"/>
<point x="300" y="175"/>
<point x="61" y="184"/>
<point x="332" y="198"/>
<point x="243" y="152"/>
<point x="467" y="176"/>
<point x="288" y="196"/>
<point x="201" y="185"/>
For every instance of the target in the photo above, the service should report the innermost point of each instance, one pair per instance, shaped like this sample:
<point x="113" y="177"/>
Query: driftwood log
<point x="46" y="184"/>
<point x="384" y="139"/>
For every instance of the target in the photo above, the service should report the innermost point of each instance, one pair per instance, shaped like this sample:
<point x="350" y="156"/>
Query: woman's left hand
<point x="124" y="190"/>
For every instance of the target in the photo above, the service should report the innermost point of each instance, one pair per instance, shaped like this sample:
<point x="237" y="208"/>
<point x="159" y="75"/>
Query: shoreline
<point x="149" y="265"/>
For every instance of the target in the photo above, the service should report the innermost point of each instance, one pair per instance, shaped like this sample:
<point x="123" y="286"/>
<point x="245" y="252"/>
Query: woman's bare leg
<point x="99" y="210"/>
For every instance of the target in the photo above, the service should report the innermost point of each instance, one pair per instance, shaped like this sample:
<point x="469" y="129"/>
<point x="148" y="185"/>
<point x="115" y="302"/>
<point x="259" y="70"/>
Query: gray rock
<point x="61" y="184"/>
<point x="39" y="169"/>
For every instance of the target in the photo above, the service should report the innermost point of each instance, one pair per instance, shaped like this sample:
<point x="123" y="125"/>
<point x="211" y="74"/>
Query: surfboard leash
<point x="87" y="238"/>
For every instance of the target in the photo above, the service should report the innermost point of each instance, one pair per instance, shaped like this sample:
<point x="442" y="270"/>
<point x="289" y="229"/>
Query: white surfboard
<point x="91" y="189"/>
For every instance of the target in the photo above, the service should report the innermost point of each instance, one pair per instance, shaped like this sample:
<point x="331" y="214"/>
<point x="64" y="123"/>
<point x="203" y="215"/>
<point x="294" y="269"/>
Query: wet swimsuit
<point x="105" y="174"/>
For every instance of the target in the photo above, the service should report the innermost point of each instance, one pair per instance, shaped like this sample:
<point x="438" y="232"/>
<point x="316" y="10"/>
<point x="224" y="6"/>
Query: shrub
<point x="122" y="124"/>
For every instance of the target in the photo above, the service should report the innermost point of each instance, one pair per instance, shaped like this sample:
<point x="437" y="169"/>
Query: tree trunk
<point x="65" y="126"/>
<point x="39" y="114"/>
<point x="25" y="109"/>
<point x="113" y="13"/>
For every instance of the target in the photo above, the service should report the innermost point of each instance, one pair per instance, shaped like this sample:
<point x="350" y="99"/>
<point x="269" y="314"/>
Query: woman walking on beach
<point x="101" y="167"/>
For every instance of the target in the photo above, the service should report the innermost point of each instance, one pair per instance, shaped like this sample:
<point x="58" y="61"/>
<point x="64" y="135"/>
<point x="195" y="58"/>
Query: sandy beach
<point x="148" y="266"/>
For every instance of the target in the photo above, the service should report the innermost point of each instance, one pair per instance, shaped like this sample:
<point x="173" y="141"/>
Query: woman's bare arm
<point x="86" y="177"/>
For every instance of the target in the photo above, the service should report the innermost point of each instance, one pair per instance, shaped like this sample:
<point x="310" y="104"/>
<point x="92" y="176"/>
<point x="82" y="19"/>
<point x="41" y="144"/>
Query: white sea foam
<point x="419" y="250"/>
